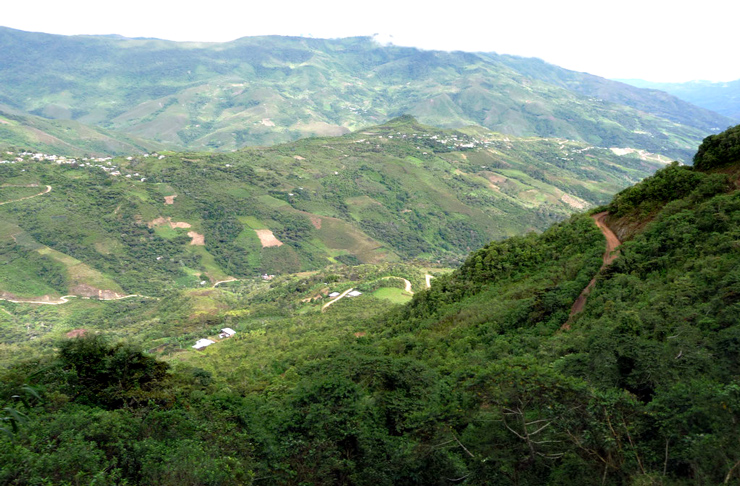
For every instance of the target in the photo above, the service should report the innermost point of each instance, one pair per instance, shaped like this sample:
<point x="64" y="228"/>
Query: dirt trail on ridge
<point x="612" y="242"/>
<point x="48" y="189"/>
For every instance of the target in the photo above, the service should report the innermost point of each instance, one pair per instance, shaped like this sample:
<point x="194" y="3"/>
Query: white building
<point x="203" y="343"/>
<point x="226" y="332"/>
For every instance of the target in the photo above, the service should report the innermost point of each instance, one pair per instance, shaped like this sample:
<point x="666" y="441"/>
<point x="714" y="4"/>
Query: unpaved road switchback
<point x="612" y="242"/>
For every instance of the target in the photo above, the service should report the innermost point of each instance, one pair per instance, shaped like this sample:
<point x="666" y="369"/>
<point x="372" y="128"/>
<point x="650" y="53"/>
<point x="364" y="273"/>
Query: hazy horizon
<point x="634" y="40"/>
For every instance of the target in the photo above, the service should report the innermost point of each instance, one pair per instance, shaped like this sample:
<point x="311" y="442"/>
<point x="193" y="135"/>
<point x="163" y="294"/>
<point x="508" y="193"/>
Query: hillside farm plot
<point x="267" y="238"/>
<point x="394" y="294"/>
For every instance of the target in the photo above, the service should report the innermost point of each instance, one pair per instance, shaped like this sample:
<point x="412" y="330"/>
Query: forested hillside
<point x="266" y="90"/>
<point x="485" y="378"/>
<point x="67" y="137"/>
<point x="400" y="191"/>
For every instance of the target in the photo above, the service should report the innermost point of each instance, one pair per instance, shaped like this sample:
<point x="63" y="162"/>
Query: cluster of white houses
<point x="226" y="332"/>
<point x="59" y="159"/>
<point x="104" y="163"/>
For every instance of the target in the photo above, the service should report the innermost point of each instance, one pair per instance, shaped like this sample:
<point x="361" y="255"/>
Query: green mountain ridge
<point x="398" y="191"/>
<point x="266" y="90"/>
<point x="65" y="137"/>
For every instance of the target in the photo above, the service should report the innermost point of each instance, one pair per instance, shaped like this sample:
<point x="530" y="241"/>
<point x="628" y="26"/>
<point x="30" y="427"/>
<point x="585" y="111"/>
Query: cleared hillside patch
<point x="267" y="238"/>
<point x="81" y="273"/>
<point x="393" y="294"/>
<point x="338" y="235"/>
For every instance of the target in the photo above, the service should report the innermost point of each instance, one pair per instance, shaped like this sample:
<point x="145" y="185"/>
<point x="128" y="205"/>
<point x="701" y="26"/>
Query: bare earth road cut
<point x="338" y="298"/>
<point x="612" y="242"/>
<point x="406" y="283"/>
<point x="48" y="189"/>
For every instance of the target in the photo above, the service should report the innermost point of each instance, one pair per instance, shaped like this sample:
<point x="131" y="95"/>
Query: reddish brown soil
<point x="75" y="333"/>
<point x="612" y="242"/>
<point x="267" y="238"/>
<point x="197" y="238"/>
<point x="315" y="221"/>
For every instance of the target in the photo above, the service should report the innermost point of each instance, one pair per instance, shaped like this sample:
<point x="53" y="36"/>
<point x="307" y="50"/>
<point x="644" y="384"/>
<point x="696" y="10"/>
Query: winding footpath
<point x="65" y="298"/>
<point x="612" y="242"/>
<point x="48" y="189"/>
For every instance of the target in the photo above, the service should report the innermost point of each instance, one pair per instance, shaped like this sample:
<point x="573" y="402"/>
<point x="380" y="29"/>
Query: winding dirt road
<point x="323" y="308"/>
<point x="64" y="299"/>
<point x="407" y="284"/>
<point x="612" y="242"/>
<point x="48" y="189"/>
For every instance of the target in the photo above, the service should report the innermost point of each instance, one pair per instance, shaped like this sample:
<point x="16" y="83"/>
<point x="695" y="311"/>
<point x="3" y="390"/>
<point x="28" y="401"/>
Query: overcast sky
<point x="656" y="40"/>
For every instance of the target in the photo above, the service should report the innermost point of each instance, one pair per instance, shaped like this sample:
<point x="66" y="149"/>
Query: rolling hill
<point x="266" y="90"/>
<point x="64" y="137"/>
<point x="399" y="191"/>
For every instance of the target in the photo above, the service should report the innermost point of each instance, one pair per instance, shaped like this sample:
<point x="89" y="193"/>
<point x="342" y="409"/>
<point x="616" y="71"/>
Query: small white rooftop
<point x="228" y="331"/>
<point x="354" y="293"/>
<point x="203" y="343"/>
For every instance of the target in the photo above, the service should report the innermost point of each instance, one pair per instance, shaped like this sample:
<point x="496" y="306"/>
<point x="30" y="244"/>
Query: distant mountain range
<point x="723" y="98"/>
<point x="265" y="90"/>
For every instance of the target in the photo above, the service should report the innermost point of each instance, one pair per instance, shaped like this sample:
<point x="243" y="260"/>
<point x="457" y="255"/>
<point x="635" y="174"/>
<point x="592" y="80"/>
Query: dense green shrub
<point x="719" y="150"/>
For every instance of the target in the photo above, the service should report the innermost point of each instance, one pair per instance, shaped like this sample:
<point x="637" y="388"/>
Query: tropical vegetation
<point x="487" y="377"/>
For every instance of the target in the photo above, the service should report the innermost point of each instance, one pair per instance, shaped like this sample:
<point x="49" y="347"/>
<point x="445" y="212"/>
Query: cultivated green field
<point x="395" y="295"/>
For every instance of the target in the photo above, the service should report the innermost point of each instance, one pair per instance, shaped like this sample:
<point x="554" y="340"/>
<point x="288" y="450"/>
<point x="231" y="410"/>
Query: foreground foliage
<point x="475" y="381"/>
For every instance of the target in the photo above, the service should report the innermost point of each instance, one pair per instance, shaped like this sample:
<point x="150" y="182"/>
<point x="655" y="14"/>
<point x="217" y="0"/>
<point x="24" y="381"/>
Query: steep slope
<point x="473" y="382"/>
<point x="264" y="90"/>
<point x="674" y="108"/>
<point x="66" y="137"/>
